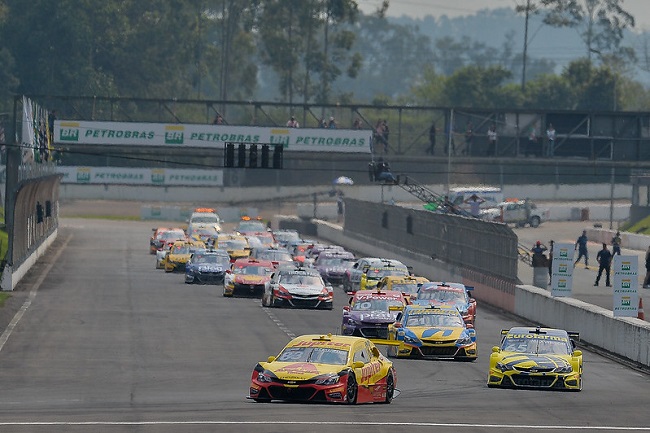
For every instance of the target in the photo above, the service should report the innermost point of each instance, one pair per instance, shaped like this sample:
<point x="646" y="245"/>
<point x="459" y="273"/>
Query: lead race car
<point x="537" y="358"/>
<point x="325" y="368"/>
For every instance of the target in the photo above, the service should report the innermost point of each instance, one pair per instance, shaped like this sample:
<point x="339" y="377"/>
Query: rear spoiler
<point x="574" y="335"/>
<point x="381" y="342"/>
<point x="469" y="288"/>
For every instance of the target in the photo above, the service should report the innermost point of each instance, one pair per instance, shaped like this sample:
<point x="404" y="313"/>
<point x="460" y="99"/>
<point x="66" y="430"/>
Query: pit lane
<point x="110" y="343"/>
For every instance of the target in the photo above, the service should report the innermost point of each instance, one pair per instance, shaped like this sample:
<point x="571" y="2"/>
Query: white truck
<point x="519" y="212"/>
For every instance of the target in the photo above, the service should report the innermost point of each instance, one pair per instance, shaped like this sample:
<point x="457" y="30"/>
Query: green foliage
<point x="640" y="227"/>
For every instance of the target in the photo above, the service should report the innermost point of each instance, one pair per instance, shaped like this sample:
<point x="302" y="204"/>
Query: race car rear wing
<point x="572" y="335"/>
<point x="381" y="342"/>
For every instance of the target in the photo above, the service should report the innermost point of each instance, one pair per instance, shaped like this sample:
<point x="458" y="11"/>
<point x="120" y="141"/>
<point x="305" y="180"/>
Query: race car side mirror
<point x="577" y="353"/>
<point x="271" y="359"/>
<point x="357" y="364"/>
<point x="397" y="325"/>
<point x="346" y="308"/>
<point x="495" y="349"/>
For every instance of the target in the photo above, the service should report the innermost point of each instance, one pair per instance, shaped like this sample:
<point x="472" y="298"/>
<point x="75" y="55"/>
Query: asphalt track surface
<point x="107" y="343"/>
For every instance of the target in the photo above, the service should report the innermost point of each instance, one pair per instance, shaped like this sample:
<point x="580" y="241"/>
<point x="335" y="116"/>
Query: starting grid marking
<point x="332" y="423"/>
<point x="278" y="322"/>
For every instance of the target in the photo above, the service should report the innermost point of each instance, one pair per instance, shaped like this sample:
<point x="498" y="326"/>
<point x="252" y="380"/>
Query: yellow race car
<point x="236" y="245"/>
<point x="179" y="254"/>
<point x="408" y="284"/>
<point x="325" y="368"/>
<point x="538" y="358"/>
<point x="431" y="332"/>
<point x="380" y="269"/>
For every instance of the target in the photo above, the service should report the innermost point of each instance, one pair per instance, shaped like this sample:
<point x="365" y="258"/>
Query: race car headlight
<point x="503" y="367"/>
<point x="327" y="379"/>
<point x="563" y="369"/>
<point x="464" y="340"/>
<point x="265" y="377"/>
<point x="411" y="339"/>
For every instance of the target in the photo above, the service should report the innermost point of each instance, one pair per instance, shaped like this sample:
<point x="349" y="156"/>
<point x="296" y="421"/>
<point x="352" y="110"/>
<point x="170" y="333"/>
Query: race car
<point x="333" y="264"/>
<point x="247" y="277"/>
<point x="408" y="285"/>
<point x="325" y="368"/>
<point x="537" y="358"/>
<point x="370" y="312"/>
<point x="236" y="245"/>
<point x="432" y="332"/>
<point x="164" y="235"/>
<point x="380" y="269"/>
<point x="177" y="257"/>
<point x="277" y="256"/>
<point x="161" y="255"/>
<point x="284" y="236"/>
<point x="297" y="287"/>
<point x="455" y="294"/>
<point x="207" y="267"/>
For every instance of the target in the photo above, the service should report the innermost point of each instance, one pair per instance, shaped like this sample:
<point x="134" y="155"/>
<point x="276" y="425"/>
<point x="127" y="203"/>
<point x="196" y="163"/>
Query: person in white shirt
<point x="550" y="135"/>
<point x="293" y="123"/>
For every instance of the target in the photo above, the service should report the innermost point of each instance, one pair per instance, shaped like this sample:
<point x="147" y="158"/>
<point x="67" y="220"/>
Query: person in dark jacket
<point x="604" y="259"/>
<point x="581" y="246"/>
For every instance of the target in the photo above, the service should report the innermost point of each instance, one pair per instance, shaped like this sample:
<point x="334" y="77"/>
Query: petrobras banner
<point x="141" y="176"/>
<point x="626" y="285"/>
<point x="562" y="270"/>
<point x="209" y="136"/>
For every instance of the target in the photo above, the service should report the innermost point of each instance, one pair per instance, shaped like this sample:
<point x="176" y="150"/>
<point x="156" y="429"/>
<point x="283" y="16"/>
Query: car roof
<point x="393" y="294"/>
<point x="252" y="262"/>
<point x="533" y="330"/>
<point x="431" y="309"/>
<point x="434" y="285"/>
<point x="343" y="342"/>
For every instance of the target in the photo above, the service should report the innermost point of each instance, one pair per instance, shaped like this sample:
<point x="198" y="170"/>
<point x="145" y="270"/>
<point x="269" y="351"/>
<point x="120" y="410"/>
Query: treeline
<point x="318" y="51"/>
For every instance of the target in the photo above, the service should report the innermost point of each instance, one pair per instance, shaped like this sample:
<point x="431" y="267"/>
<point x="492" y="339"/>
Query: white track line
<point x="32" y="294"/>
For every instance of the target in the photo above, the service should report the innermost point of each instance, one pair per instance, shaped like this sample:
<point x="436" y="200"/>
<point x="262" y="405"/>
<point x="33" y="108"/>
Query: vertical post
<point x="13" y="165"/>
<point x="611" y="198"/>
<point x="523" y="69"/>
<point x="449" y="138"/>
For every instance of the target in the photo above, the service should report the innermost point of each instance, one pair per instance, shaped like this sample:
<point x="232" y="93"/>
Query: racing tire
<point x="390" y="386"/>
<point x="262" y="400"/>
<point x="534" y="222"/>
<point x="351" y="389"/>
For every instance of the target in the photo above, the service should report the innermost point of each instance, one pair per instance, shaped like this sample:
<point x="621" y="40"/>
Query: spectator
<point x="332" y="123"/>
<point x="616" y="243"/>
<point x="218" y="120"/>
<point x="469" y="138"/>
<point x="386" y="133"/>
<point x="604" y="259"/>
<point x="293" y="123"/>
<point x="357" y="124"/>
<point x="323" y="123"/>
<point x="550" y="135"/>
<point x="475" y="204"/>
<point x="383" y="172"/>
<point x="646" y="280"/>
<point x="539" y="259"/>
<point x="492" y="140"/>
<point x="340" y="206"/>
<point x="379" y="133"/>
<point x="432" y="139"/>
<point x="531" y="149"/>
<point x="581" y="246"/>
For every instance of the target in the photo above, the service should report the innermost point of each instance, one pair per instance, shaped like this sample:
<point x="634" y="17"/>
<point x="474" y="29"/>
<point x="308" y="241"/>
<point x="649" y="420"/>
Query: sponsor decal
<point x="370" y="370"/>
<point x="69" y="131"/>
<point x="320" y="343"/>
<point x="119" y="133"/>
<point x="299" y="368"/>
<point x="174" y="134"/>
<point x="626" y="266"/>
<point x="83" y="175"/>
<point x="626" y="301"/>
<point x="537" y="337"/>
<point x="158" y="176"/>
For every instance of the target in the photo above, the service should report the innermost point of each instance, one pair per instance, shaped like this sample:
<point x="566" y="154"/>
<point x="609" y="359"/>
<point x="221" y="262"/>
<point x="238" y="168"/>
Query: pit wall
<point x="626" y="337"/>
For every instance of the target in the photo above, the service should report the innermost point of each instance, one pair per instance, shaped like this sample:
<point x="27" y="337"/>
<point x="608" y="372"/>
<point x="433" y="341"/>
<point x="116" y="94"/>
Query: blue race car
<point x="207" y="267"/>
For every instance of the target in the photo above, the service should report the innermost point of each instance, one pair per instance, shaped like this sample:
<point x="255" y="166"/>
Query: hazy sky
<point x="640" y="9"/>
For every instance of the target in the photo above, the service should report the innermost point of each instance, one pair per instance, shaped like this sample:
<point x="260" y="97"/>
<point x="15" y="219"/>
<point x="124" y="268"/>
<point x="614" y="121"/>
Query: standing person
<point x="432" y="138"/>
<point x="581" y="246"/>
<point x="539" y="259"/>
<point x="386" y="134"/>
<point x="332" y="123"/>
<point x="616" y="243"/>
<point x="293" y="123"/>
<point x="550" y="261"/>
<point x="340" y="207"/>
<point x="475" y="204"/>
<point x="604" y="259"/>
<point x="646" y="280"/>
<point x="356" y="124"/>
<point x="378" y="134"/>
<point x="531" y="149"/>
<point x="550" y="135"/>
<point x="469" y="138"/>
<point x="492" y="140"/>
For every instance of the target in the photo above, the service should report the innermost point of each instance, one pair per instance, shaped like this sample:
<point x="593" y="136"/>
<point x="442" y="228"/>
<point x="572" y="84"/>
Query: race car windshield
<point x="376" y="304"/>
<point x="181" y="249"/>
<point x="317" y="355"/>
<point x="168" y="236"/>
<point x="406" y="288"/>
<point x="212" y="258"/>
<point x="535" y="345"/>
<point x="252" y="270"/>
<point x="232" y="244"/>
<point x="307" y="280"/>
<point x="381" y="273"/>
<point x="434" y="320"/>
<point x="275" y="256"/>
<point x="331" y="261"/>
<point x="448" y="296"/>
<point x="251" y="227"/>
<point x="207" y="219"/>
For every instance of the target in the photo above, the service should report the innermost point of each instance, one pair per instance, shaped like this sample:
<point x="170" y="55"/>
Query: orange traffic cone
<point x="641" y="315"/>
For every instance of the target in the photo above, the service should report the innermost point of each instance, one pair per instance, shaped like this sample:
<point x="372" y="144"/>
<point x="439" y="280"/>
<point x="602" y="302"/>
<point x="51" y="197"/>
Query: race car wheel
<point x="390" y="386"/>
<point x="351" y="389"/>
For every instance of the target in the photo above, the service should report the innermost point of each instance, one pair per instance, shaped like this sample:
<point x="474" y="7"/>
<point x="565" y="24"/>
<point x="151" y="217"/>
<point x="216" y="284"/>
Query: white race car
<point x="297" y="287"/>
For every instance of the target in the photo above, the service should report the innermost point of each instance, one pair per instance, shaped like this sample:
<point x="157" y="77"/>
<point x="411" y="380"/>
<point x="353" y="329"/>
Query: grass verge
<point x="3" y="297"/>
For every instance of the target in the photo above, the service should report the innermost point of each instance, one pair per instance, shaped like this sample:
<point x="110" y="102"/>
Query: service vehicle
<point x="204" y="217"/>
<point x="454" y="294"/>
<point x="332" y="265"/>
<point x="207" y="267"/>
<point x="370" y="312"/>
<point x="177" y="257"/>
<point x="325" y="368"/>
<point x="247" y="225"/>
<point x="432" y="332"/>
<point x="518" y="213"/>
<point x="247" y="277"/>
<point x="490" y="196"/>
<point x="536" y="358"/>
<point x="297" y="287"/>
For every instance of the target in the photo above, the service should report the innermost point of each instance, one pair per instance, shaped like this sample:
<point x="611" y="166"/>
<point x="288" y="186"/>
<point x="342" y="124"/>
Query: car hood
<point x="378" y="316"/>
<point x="441" y="333"/>
<point x="179" y="257"/>
<point x="533" y="362"/>
<point x="302" y="289"/>
<point x="208" y="267"/>
<point x="250" y="279"/>
<point x="299" y="370"/>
